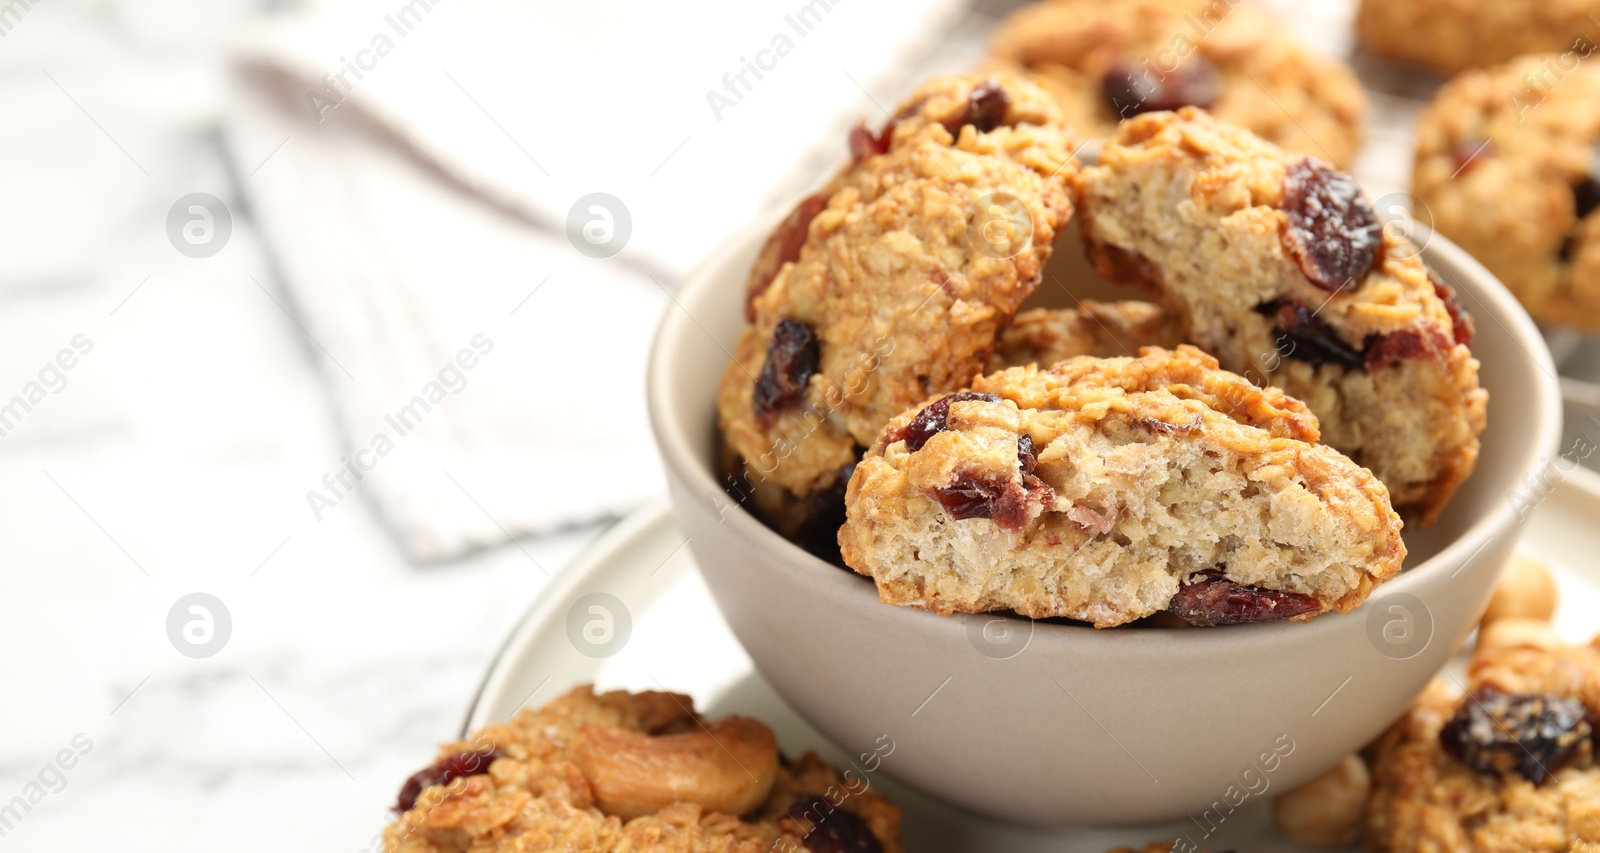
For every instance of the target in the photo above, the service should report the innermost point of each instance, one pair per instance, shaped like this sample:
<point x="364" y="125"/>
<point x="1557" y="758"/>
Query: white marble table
<point x="175" y="460"/>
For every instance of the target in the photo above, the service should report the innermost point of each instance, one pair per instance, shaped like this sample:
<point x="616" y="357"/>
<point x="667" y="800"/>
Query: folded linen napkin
<point x="477" y="208"/>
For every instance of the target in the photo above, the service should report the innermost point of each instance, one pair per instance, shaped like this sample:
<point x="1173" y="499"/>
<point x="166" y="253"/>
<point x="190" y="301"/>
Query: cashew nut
<point x="727" y="768"/>
<point x="1505" y="634"/>
<point x="1326" y="812"/>
<point x="1526" y="591"/>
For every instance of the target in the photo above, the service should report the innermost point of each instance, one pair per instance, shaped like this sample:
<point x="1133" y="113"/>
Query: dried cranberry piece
<point x="1404" y="345"/>
<point x="792" y="357"/>
<point x="1161" y="427"/>
<point x="1195" y="83"/>
<point x="987" y="105"/>
<point x="833" y="830"/>
<point x="443" y="772"/>
<point x="1211" y="599"/>
<point x="973" y="497"/>
<point x="1534" y="736"/>
<point x="1461" y="326"/>
<point x="933" y="419"/>
<point x="1027" y="455"/>
<point x="1331" y="230"/>
<point x="864" y="143"/>
<point x="1305" y="337"/>
<point x="1467" y="154"/>
<point x="783" y="246"/>
<point x="1003" y="501"/>
<point x="818" y="532"/>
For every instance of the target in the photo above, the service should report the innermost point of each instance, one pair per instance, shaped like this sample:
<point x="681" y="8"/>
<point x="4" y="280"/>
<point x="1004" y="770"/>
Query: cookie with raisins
<point x="1277" y="264"/>
<point x="906" y="275"/>
<point x="1108" y="60"/>
<point x="1451" y="35"/>
<point x="1108" y="490"/>
<point x="1509" y="168"/>
<point x="591" y="773"/>
<point x="1505" y="762"/>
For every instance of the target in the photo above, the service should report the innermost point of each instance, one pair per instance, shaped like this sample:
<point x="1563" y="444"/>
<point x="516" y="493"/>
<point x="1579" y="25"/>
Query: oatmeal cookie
<point x="1107" y="60"/>
<point x="907" y="275"/>
<point x="1044" y="336"/>
<point x="1278" y="265"/>
<point x="1451" y="35"/>
<point x="1508" y="768"/>
<point x="633" y="773"/>
<point x="1508" y="168"/>
<point x="1106" y="490"/>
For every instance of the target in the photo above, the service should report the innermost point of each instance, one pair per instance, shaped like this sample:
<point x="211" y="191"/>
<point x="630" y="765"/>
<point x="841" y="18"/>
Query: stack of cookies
<point x="1239" y="449"/>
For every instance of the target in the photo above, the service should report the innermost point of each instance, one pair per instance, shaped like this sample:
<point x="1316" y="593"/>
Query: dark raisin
<point x="987" y="106"/>
<point x="1027" y="455"/>
<point x="1462" y="327"/>
<point x="818" y="532"/>
<point x="1130" y="91"/>
<point x="1303" y="336"/>
<point x="1331" y="230"/>
<point x="986" y="109"/>
<point x="833" y="830"/>
<point x="1532" y="736"/>
<point x="1210" y="599"/>
<point x="1586" y="196"/>
<point x="1466" y="155"/>
<point x="443" y="772"/>
<point x="864" y="143"/>
<point x="782" y="247"/>
<point x="932" y="420"/>
<point x="792" y="357"/>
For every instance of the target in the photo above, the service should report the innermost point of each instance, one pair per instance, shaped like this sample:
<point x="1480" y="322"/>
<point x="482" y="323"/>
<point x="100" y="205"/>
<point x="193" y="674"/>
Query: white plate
<point x="659" y="630"/>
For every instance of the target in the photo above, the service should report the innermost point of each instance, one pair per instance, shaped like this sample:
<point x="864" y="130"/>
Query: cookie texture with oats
<point x="1451" y="35"/>
<point x="634" y="773"/>
<point x="1106" y="490"/>
<point x="1278" y="265"/>
<point x="1107" y="60"/>
<point x="1044" y="336"/>
<point x="1509" y="767"/>
<point x="1510" y="170"/>
<point x="906" y="276"/>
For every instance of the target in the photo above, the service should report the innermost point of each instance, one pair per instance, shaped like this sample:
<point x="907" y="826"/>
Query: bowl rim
<point x="853" y="589"/>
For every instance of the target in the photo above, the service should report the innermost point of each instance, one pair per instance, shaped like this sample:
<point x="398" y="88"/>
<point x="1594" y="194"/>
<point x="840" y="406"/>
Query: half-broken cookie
<point x="1107" y="490"/>
<point x="1278" y="265"/>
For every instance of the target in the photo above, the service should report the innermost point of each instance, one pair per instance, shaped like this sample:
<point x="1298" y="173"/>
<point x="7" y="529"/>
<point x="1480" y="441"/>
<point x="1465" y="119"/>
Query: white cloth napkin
<point x="412" y="165"/>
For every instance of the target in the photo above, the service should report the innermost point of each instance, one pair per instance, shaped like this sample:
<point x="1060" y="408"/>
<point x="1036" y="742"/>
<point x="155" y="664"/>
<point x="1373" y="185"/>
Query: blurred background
<point x="328" y="324"/>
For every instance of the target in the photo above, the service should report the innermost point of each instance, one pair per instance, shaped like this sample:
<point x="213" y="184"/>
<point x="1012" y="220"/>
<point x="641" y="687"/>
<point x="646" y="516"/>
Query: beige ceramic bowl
<point x="1061" y="725"/>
